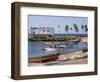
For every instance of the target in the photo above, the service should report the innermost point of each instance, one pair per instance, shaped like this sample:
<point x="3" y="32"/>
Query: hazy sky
<point x="54" y="21"/>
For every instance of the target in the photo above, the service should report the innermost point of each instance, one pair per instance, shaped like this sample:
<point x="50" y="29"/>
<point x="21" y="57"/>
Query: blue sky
<point x="54" y="21"/>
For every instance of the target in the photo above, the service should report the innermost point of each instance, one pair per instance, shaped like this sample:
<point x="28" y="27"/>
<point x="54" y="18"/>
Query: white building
<point x="42" y="30"/>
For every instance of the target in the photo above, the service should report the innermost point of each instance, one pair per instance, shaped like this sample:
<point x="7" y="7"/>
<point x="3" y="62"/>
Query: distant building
<point x="42" y="30"/>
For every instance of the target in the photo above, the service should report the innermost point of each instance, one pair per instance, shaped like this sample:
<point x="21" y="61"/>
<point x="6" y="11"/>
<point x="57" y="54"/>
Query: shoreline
<point x="69" y="62"/>
<point x="66" y="59"/>
<point x="77" y="57"/>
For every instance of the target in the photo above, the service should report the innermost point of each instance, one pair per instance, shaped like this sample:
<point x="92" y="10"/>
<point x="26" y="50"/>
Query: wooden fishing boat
<point x="43" y="58"/>
<point x="49" y="49"/>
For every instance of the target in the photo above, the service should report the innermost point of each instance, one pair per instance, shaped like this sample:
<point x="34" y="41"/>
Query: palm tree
<point x="66" y="28"/>
<point x="71" y="28"/>
<point x="76" y="27"/>
<point x="86" y="29"/>
<point x="82" y="26"/>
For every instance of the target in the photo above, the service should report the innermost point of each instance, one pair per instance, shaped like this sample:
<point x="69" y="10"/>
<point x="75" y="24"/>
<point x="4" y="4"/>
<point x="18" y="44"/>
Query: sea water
<point x="35" y="48"/>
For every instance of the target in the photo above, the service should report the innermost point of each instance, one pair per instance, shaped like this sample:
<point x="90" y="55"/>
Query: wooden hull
<point x="43" y="59"/>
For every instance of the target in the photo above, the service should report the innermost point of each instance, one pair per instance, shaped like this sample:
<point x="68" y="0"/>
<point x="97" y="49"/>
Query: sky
<point x="54" y="21"/>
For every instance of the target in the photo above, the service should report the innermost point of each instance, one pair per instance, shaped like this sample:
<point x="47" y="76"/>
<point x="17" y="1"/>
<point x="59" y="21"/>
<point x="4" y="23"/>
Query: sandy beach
<point x="78" y="57"/>
<point x="69" y="62"/>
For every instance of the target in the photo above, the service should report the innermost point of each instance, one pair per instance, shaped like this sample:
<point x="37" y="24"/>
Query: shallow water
<point x="35" y="48"/>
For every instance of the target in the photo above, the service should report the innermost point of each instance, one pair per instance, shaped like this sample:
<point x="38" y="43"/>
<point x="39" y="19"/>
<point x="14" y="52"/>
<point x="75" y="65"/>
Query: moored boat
<point x="49" y="49"/>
